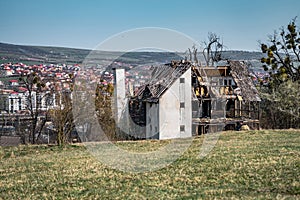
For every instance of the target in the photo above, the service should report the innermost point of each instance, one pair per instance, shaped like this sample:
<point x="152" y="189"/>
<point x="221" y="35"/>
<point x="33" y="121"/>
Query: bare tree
<point x="62" y="117"/>
<point x="213" y="49"/>
<point x="35" y="95"/>
<point x="192" y="53"/>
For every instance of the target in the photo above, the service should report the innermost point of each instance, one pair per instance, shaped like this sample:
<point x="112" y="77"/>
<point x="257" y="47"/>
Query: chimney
<point x="120" y="101"/>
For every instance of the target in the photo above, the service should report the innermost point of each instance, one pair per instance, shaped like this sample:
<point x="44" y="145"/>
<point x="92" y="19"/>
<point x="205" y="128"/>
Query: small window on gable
<point x="182" y="128"/>
<point x="182" y="80"/>
<point x="182" y="105"/>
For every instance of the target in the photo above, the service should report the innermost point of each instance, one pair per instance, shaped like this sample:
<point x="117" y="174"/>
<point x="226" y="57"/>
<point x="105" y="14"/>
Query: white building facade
<point x="162" y="108"/>
<point x="171" y="116"/>
<point x="16" y="102"/>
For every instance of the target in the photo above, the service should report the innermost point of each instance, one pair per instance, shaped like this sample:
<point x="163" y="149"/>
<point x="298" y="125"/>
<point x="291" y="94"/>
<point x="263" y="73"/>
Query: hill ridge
<point x="52" y="54"/>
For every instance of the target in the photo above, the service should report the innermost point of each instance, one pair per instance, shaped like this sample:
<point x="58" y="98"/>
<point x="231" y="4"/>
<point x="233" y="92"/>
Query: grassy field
<point x="252" y="165"/>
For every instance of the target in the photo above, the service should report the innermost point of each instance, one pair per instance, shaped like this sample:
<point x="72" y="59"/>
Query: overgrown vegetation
<point x="251" y="165"/>
<point x="280" y="105"/>
<point x="62" y="118"/>
<point x="104" y="104"/>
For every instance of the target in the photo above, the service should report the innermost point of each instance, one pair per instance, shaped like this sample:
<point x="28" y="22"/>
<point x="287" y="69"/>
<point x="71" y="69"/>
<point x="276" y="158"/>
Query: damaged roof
<point x="241" y="76"/>
<point x="163" y="76"/>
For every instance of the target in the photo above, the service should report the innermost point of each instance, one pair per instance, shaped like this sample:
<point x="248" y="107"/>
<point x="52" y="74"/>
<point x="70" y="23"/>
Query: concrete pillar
<point x="121" y="102"/>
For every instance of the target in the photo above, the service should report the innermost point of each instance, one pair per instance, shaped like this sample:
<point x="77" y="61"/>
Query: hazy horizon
<point x="49" y="46"/>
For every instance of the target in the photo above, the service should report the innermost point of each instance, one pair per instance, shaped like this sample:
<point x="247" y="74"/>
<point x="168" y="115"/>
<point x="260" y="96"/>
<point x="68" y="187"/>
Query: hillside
<point x="18" y="53"/>
<point x="242" y="55"/>
<point x="38" y="54"/>
<point x="242" y="165"/>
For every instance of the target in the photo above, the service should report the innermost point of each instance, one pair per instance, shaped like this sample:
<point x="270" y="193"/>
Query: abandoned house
<point x="224" y="98"/>
<point x="183" y="99"/>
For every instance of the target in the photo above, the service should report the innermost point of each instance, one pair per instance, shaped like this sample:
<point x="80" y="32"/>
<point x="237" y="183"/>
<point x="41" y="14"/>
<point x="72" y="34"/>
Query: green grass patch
<point x="251" y="164"/>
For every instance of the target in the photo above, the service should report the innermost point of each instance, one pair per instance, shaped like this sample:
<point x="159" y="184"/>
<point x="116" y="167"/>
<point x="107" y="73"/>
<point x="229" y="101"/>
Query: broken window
<point x="225" y="82"/>
<point x="206" y="108"/>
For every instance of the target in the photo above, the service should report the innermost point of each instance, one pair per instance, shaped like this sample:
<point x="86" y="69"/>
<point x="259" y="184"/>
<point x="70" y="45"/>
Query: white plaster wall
<point x="171" y="116"/>
<point x="187" y="117"/>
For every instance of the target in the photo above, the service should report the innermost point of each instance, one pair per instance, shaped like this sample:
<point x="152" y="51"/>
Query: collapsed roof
<point x="241" y="76"/>
<point x="163" y="77"/>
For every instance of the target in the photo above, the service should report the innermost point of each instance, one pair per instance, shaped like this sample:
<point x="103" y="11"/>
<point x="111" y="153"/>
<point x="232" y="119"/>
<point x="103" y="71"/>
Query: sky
<point x="87" y="23"/>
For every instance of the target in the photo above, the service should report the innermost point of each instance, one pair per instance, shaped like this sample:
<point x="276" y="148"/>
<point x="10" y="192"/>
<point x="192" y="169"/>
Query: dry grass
<point x="252" y="164"/>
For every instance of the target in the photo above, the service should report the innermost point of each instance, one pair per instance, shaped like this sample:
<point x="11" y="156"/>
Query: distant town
<point x="57" y="79"/>
<point x="13" y="93"/>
